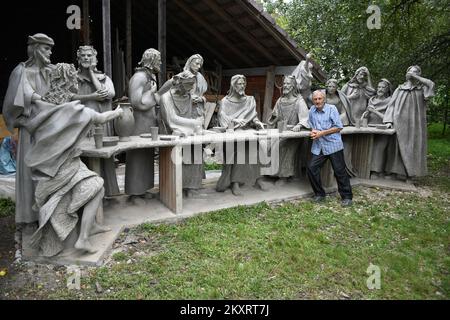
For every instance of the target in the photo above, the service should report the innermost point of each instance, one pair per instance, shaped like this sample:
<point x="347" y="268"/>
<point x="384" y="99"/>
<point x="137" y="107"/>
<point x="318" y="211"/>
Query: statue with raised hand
<point x="406" y="112"/>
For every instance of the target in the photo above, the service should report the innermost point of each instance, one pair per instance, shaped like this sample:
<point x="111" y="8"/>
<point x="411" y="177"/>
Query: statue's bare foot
<point x="191" y="193"/>
<point x="137" y="200"/>
<point x="264" y="186"/>
<point x="235" y="189"/>
<point x="96" y="228"/>
<point x="149" y="196"/>
<point x="281" y="182"/>
<point x="85" y="245"/>
<point x="109" y="202"/>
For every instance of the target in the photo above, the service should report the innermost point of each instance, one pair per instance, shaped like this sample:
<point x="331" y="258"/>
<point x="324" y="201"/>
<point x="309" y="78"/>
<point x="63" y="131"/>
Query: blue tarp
<point x="7" y="156"/>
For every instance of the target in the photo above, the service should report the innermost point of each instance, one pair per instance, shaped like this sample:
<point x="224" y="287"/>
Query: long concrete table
<point x="170" y="154"/>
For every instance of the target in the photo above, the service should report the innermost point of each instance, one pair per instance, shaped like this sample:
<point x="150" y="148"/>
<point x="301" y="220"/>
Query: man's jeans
<point x="340" y="173"/>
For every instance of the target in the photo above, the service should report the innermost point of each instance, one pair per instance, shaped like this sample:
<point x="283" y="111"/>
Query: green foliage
<point x="213" y="166"/>
<point x="438" y="158"/>
<point x="290" y="251"/>
<point x="7" y="208"/>
<point x="412" y="32"/>
<point x="335" y="31"/>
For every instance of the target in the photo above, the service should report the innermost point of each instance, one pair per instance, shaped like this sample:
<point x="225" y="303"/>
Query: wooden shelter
<point x="233" y="36"/>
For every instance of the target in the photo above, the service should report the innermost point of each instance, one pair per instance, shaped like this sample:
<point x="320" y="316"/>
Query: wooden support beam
<point x="192" y="34"/>
<point x="214" y="32"/>
<point x="107" y="59"/>
<point x="129" y="52"/>
<point x="171" y="177"/>
<point x="260" y="71"/>
<point x="241" y="31"/>
<point x="162" y="36"/>
<point x="86" y="23"/>
<point x="268" y="93"/>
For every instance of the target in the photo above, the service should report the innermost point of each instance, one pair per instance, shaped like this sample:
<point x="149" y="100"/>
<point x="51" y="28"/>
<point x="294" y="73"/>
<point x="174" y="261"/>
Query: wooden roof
<point x="235" y="33"/>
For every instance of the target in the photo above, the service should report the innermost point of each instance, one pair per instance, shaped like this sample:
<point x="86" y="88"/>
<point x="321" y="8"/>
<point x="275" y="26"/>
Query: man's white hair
<point x="319" y="92"/>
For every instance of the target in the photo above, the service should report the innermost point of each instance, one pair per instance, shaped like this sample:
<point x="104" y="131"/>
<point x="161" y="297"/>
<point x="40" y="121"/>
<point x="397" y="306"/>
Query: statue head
<point x="289" y="85"/>
<point x="39" y="49"/>
<point x="413" y="70"/>
<point x="183" y="82"/>
<point x="194" y="63"/>
<point x="361" y="76"/>
<point x="331" y="86"/>
<point x="384" y="88"/>
<point x="87" y="57"/>
<point x="151" y="59"/>
<point x="237" y="86"/>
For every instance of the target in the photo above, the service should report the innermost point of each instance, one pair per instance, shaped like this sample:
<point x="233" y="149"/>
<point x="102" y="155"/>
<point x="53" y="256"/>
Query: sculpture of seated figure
<point x="238" y="110"/>
<point x="406" y="112"/>
<point x="292" y="109"/>
<point x="193" y="64"/>
<point x="374" y="114"/>
<point x="179" y="118"/>
<point x="64" y="183"/>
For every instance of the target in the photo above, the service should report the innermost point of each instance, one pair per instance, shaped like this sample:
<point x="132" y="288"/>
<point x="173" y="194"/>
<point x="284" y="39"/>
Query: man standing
<point x="96" y="91"/>
<point x="327" y="143"/>
<point x="28" y="82"/>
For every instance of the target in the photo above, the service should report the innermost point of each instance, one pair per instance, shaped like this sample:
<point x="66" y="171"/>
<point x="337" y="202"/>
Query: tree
<point x="335" y="31"/>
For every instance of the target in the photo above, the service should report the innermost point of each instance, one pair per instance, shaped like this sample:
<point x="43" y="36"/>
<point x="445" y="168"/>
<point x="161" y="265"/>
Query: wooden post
<point x="162" y="39"/>
<point x="268" y="93"/>
<point x="129" y="63"/>
<point x="86" y="22"/>
<point x="171" y="177"/>
<point x="107" y="59"/>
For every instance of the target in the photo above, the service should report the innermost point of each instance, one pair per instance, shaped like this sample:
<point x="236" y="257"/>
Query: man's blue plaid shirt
<point x="326" y="119"/>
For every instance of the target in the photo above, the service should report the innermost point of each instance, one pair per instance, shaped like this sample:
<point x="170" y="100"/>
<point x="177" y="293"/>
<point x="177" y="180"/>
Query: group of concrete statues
<point x="403" y="155"/>
<point x="55" y="106"/>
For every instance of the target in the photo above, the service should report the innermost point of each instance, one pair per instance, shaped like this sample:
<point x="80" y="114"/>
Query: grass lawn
<point x="293" y="250"/>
